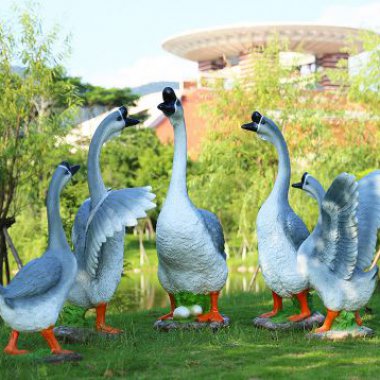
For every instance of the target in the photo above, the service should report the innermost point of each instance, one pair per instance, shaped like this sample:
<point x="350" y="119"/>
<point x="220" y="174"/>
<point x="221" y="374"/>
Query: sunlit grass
<point x="240" y="352"/>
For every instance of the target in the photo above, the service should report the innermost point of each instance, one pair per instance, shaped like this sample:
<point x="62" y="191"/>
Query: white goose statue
<point x="99" y="227"/>
<point x="280" y="231"/>
<point x="336" y="255"/>
<point x="190" y="241"/>
<point x="33" y="299"/>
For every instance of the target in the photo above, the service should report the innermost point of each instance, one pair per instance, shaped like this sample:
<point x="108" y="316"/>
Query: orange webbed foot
<point x="299" y="317"/>
<point x="108" y="329"/>
<point x="212" y="316"/>
<point x="62" y="352"/>
<point x="270" y="314"/>
<point x="15" y="351"/>
<point x="166" y="316"/>
<point x="321" y="329"/>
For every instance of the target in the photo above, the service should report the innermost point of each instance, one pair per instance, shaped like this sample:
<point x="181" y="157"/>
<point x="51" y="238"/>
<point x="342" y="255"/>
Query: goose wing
<point x="296" y="229"/>
<point x="117" y="210"/>
<point x="368" y="215"/>
<point x="336" y="235"/>
<point x="35" y="278"/>
<point x="215" y="230"/>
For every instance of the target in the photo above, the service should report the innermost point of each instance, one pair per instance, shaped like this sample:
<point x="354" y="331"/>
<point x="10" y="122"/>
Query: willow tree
<point x="35" y="110"/>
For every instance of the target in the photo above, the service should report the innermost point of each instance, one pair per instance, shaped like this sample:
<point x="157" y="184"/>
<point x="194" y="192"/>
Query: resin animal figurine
<point x="339" y="251"/>
<point x="190" y="241"/>
<point x="34" y="298"/>
<point x="280" y="231"/>
<point x="99" y="227"/>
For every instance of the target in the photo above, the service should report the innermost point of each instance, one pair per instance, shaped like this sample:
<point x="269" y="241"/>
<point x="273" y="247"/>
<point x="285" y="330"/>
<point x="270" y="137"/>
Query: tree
<point x="99" y="96"/>
<point x="36" y="108"/>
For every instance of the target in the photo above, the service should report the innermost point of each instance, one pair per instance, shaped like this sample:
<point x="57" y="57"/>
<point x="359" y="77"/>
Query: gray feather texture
<point x="330" y="256"/>
<point x="215" y="229"/>
<point x="36" y="278"/>
<point x="337" y="234"/>
<point x="368" y="217"/>
<point x="120" y="209"/>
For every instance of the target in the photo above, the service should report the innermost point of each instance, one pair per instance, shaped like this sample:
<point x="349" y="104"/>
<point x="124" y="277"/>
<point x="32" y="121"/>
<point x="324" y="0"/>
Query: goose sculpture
<point x="280" y="231"/>
<point x="336" y="255"/>
<point x="190" y="241"/>
<point x="34" y="298"/>
<point x="99" y="227"/>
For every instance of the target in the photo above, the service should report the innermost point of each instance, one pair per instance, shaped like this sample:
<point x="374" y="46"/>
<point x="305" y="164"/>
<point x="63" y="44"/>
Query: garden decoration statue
<point x="280" y="233"/>
<point x="339" y="251"/>
<point x="99" y="227"/>
<point x="34" y="298"/>
<point x="190" y="241"/>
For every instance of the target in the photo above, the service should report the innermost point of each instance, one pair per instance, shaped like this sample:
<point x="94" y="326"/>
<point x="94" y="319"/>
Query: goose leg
<point x="305" y="311"/>
<point x="11" y="348"/>
<point x="213" y="315"/>
<point x="101" y="320"/>
<point x="277" y="306"/>
<point x="172" y="307"/>
<point x="329" y="320"/>
<point x="51" y="340"/>
<point x="358" y="318"/>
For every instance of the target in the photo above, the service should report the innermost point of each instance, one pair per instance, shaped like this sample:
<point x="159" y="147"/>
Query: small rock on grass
<point x="70" y="334"/>
<point x="356" y="333"/>
<point x="64" y="358"/>
<point x="315" y="320"/>
<point x="170" y="324"/>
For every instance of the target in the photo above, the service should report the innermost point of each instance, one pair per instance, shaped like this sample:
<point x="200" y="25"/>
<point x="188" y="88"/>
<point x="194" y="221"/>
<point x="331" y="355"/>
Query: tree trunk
<point x="13" y="249"/>
<point x="141" y="244"/>
<point x="4" y="260"/>
<point x="143" y="256"/>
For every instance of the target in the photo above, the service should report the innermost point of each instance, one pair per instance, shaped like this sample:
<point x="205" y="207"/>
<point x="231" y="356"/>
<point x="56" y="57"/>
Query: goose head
<point x="308" y="184"/>
<point x="116" y="121"/>
<point x="63" y="174"/>
<point x="265" y="128"/>
<point x="171" y="105"/>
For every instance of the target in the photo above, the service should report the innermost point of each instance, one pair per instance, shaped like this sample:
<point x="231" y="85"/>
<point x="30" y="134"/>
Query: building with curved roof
<point x="219" y="48"/>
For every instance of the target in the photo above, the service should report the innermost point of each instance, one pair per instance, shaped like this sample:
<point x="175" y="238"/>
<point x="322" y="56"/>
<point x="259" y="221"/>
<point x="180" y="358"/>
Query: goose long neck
<point x="57" y="237"/>
<point x="282" y="183"/>
<point x="95" y="181"/>
<point x="178" y="179"/>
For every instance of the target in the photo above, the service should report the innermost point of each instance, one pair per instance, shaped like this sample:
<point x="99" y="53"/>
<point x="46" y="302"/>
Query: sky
<point x="117" y="43"/>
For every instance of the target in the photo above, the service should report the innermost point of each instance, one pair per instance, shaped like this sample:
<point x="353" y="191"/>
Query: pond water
<point x="141" y="290"/>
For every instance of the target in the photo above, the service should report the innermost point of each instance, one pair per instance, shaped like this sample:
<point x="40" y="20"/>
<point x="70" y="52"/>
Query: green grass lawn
<point x="240" y="352"/>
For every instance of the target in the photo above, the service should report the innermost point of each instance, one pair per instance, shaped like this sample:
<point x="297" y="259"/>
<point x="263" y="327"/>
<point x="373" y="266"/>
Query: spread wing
<point x="119" y="209"/>
<point x="336" y="234"/>
<point x="368" y="215"/>
<point x="215" y="230"/>
<point x="35" y="278"/>
<point x="296" y="229"/>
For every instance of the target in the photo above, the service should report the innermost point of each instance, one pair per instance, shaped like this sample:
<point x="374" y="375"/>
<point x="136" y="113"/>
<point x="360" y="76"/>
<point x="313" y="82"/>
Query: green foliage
<point x="72" y="315"/>
<point x="32" y="116"/>
<point x="99" y="96"/>
<point x="345" y="321"/>
<point x="191" y="299"/>
<point x="362" y="83"/>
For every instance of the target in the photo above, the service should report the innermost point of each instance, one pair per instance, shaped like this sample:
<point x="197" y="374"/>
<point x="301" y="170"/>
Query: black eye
<point x="119" y="118"/>
<point x="67" y="172"/>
